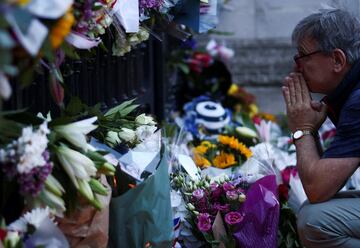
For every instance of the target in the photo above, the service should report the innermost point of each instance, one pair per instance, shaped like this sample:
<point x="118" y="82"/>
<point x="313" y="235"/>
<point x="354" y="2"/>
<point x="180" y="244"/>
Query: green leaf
<point x="70" y="51"/>
<point x="75" y="106"/>
<point x="128" y="110"/>
<point x="184" y="68"/>
<point x="119" y="107"/>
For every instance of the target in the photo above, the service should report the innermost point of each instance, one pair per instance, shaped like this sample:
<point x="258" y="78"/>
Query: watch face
<point x="298" y="134"/>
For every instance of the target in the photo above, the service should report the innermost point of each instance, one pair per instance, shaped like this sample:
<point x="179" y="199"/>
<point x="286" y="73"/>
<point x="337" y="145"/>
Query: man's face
<point x="315" y="66"/>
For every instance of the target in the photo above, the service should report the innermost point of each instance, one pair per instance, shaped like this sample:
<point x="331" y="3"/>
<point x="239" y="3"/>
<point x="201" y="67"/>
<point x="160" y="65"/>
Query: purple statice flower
<point x="222" y="208"/>
<point x="233" y="218"/>
<point x="204" y="222"/>
<point x="31" y="183"/>
<point x="198" y="194"/>
<point x="150" y="4"/>
<point x="228" y="186"/>
<point x="232" y="195"/>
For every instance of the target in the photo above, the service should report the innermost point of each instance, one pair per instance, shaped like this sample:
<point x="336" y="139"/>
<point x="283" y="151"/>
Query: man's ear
<point x="339" y="59"/>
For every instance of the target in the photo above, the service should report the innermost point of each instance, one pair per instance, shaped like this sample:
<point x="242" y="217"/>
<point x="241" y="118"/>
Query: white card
<point x="34" y="36"/>
<point x="188" y="164"/>
<point x="51" y="9"/>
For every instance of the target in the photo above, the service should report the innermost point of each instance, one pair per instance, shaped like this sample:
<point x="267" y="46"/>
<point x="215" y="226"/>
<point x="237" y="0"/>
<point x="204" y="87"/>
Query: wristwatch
<point x="298" y="134"/>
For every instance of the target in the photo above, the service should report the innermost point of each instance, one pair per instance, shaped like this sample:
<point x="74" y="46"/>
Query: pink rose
<point x="233" y="218"/>
<point x="204" y="222"/>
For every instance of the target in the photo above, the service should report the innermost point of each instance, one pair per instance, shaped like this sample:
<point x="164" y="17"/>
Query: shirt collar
<point x="336" y="99"/>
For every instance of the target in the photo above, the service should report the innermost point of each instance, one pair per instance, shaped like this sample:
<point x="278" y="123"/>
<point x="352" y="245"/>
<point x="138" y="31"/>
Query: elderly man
<point x="327" y="62"/>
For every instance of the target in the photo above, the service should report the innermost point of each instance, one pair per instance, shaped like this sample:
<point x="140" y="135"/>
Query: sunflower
<point x="244" y="150"/>
<point x="224" y="160"/>
<point x="200" y="161"/>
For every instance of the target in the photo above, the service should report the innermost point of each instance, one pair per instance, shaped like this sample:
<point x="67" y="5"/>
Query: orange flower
<point x="200" y="161"/>
<point x="224" y="160"/>
<point x="234" y="143"/>
<point x="62" y="29"/>
<point x="245" y="151"/>
<point x="267" y="116"/>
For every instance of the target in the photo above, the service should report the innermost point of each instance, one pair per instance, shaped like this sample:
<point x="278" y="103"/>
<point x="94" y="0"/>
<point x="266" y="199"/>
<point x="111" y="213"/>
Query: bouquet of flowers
<point x="120" y="126"/>
<point x="213" y="206"/>
<point x="225" y="152"/>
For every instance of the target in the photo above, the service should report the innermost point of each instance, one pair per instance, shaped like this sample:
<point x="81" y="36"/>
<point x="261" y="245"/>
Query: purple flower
<point x="150" y="4"/>
<point x="233" y="218"/>
<point x="232" y="195"/>
<point x="198" y="194"/>
<point x="216" y="191"/>
<point x="204" y="222"/>
<point x="32" y="182"/>
<point x="228" y="186"/>
<point x="222" y="208"/>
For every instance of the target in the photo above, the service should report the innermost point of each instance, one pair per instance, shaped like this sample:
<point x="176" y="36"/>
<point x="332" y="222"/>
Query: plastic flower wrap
<point x="34" y="229"/>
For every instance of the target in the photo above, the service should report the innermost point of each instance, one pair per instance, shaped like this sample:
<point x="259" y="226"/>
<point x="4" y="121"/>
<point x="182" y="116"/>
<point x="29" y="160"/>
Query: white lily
<point x="76" y="132"/>
<point x="145" y="120"/>
<point x="75" y="164"/>
<point x="85" y="189"/>
<point x="264" y="130"/>
<point x="126" y="134"/>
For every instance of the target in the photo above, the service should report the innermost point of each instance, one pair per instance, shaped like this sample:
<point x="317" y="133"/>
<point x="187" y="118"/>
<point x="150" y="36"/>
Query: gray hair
<point x="331" y="28"/>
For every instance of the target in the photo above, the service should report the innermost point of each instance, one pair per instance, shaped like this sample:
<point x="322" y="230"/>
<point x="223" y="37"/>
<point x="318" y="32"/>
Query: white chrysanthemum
<point x="30" y="146"/>
<point x="35" y="218"/>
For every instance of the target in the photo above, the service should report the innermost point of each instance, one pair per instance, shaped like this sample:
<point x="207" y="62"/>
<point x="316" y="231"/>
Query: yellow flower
<point x="268" y="116"/>
<point x="200" y="161"/>
<point x="201" y="149"/>
<point x="233" y="89"/>
<point x="62" y="29"/>
<point x="253" y="110"/>
<point x="22" y="2"/>
<point x="244" y="150"/>
<point x="234" y="143"/>
<point x="224" y="160"/>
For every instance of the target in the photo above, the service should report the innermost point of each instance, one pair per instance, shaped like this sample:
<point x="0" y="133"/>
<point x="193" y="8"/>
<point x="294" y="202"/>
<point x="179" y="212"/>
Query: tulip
<point x="75" y="164"/>
<point x="76" y="132"/>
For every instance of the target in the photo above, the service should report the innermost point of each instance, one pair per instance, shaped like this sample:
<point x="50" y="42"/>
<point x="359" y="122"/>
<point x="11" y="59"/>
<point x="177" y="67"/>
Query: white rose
<point x="127" y="135"/>
<point x="145" y="120"/>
